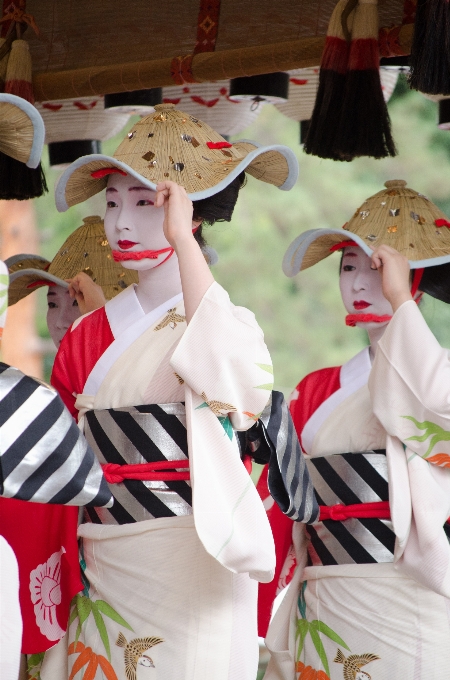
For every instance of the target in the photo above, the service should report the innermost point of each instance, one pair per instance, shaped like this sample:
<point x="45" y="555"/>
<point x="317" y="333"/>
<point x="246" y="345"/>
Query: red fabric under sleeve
<point x="80" y="350"/>
<point x="313" y="390"/>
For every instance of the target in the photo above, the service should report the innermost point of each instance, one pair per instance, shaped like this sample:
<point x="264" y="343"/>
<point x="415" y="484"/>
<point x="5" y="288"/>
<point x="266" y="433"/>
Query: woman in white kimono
<point x="160" y="378"/>
<point x="367" y="599"/>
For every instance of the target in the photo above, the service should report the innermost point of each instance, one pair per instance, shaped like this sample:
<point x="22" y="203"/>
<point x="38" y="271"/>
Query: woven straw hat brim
<point x="275" y="165"/>
<point x="397" y="216"/>
<point x="20" y="283"/>
<point x="22" y="131"/>
<point x="86" y="249"/>
<point x="314" y="245"/>
<point x="24" y="271"/>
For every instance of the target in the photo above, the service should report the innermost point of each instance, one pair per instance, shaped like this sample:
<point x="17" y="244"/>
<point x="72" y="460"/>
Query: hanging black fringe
<point x="365" y="127"/>
<point x="18" y="181"/>
<point x="430" y="50"/>
<point x="320" y="139"/>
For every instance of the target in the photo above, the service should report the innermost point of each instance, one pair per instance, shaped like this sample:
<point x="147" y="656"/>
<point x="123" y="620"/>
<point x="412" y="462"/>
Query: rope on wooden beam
<point x="203" y="67"/>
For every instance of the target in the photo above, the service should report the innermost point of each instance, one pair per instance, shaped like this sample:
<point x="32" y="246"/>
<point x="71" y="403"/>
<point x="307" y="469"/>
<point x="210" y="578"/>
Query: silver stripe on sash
<point x="132" y="456"/>
<point x="339" y="541"/>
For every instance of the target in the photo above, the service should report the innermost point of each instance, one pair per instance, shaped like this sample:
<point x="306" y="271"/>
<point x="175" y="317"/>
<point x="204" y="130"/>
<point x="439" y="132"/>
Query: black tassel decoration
<point x="430" y="50"/>
<point x="364" y="128"/>
<point x="320" y="139"/>
<point x="18" y="181"/>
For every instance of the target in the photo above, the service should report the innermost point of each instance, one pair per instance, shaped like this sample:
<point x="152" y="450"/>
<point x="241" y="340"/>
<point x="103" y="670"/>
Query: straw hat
<point x="86" y="250"/>
<point x="397" y="216"/>
<point x="171" y="145"/>
<point x="21" y="130"/>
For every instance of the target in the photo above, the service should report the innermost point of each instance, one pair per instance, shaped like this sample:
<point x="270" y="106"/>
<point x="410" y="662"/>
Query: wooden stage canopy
<point x="88" y="47"/>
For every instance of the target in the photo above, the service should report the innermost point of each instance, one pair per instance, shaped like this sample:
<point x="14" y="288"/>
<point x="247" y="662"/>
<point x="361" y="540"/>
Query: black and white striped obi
<point x="135" y="435"/>
<point x="44" y="458"/>
<point x="350" y="479"/>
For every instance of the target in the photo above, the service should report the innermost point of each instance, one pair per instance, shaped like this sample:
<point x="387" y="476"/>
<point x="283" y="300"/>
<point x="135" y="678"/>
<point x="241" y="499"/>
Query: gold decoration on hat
<point x="397" y="216"/>
<point x="85" y="250"/>
<point x="175" y="144"/>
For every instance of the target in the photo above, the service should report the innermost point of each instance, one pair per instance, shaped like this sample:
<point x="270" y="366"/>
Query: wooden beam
<point x="206" y="66"/>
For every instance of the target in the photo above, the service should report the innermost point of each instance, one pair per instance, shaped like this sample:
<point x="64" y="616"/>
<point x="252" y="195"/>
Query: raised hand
<point x="395" y="272"/>
<point x="178" y="210"/>
<point x="88" y="294"/>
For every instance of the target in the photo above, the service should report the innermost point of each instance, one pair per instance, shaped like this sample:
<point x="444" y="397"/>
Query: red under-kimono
<point x="314" y="389"/>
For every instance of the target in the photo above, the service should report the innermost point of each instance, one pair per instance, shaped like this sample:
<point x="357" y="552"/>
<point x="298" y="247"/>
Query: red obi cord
<point x="380" y="510"/>
<point x="339" y="513"/>
<point x="154" y="472"/>
<point x="147" y="472"/>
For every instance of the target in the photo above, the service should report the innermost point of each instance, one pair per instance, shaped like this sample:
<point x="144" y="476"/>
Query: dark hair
<point x="217" y="208"/>
<point x="436" y="282"/>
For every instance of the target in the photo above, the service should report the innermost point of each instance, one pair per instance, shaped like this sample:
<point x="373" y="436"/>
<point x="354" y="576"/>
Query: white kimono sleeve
<point x="228" y="378"/>
<point x="410" y="389"/>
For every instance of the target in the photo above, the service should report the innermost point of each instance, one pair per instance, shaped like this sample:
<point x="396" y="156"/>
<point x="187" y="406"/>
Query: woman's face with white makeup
<point x="361" y="286"/>
<point x="62" y="312"/>
<point x="132" y="223"/>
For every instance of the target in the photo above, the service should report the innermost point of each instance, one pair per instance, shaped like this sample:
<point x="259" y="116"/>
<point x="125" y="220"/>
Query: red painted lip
<point x="361" y="304"/>
<point x="126" y="245"/>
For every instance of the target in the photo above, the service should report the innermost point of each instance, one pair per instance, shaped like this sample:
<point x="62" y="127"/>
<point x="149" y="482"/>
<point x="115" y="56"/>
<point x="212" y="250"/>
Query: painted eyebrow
<point x="51" y="292"/>
<point x="350" y="255"/>
<point x="140" y="189"/>
<point x="111" y="189"/>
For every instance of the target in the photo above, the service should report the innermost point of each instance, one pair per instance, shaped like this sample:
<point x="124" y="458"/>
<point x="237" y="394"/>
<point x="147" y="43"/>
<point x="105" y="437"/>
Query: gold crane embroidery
<point x="179" y="378"/>
<point x="353" y="663"/>
<point x="134" y="653"/>
<point x="171" y="319"/>
<point x="219" y="408"/>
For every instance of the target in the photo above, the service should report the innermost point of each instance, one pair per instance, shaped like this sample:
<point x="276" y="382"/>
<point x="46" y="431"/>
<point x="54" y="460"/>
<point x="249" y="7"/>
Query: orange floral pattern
<point x="309" y="673"/>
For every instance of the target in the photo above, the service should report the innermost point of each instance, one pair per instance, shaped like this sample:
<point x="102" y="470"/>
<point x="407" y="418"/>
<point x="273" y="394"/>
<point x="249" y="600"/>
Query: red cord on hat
<point x="218" y="145"/>
<point x="103" y="172"/>
<point x="343" y="244"/>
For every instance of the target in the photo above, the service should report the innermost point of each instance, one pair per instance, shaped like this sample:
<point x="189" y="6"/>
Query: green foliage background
<point x="303" y="318"/>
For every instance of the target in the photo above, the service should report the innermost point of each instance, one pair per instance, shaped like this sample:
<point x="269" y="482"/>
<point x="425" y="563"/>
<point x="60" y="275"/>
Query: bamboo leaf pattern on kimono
<point x="266" y="367"/>
<point x="302" y="601"/>
<point x="319" y="647"/>
<point x="34" y="663"/>
<point x="269" y="369"/>
<point x="314" y="628"/>
<point x="91" y="670"/>
<point x="227" y="426"/>
<point x="326" y="630"/>
<point x="111" y="613"/>
<point x="301" y="633"/>
<point x="93" y="661"/>
<point x="437" y="433"/>
<point x="102" y="630"/>
<point x="83" y="607"/>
